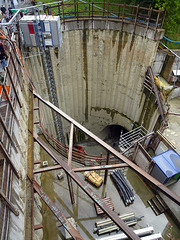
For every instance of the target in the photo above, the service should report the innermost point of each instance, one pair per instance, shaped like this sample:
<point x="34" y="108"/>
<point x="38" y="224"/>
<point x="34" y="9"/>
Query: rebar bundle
<point x="123" y="187"/>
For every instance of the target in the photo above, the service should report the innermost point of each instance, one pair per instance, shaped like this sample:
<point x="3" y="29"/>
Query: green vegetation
<point x="172" y="20"/>
<point x="171" y="24"/>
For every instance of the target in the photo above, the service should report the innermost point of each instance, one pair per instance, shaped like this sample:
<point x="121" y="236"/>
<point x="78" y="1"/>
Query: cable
<point x="171" y="40"/>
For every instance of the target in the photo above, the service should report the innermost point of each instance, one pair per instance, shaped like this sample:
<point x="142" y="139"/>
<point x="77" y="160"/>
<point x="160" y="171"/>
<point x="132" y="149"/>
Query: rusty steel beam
<point x="10" y="103"/>
<point x="152" y="180"/>
<point x="38" y="226"/>
<point x="8" y="203"/>
<point x="7" y="132"/>
<point x="6" y="155"/>
<point x="12" y="60"/>
<point x="173" y="113"/>
<point x="14" y="88"/>
<point x="115" y="218"/>
<point x="29" y="201"/>
<point x="106" y="171"/>
<point x="81" y="169"/>
<point x="69" y="164"/>
<point x="37" y="162"/>
<point x="56" y="211"/>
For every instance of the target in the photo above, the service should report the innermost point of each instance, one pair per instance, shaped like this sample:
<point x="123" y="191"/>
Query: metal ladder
<point x="46" y="58"/>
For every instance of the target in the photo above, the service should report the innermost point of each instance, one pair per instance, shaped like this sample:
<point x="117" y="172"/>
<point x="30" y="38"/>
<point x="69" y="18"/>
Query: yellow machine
<point x="166" y="89"/>
<point x="93" y="178"/>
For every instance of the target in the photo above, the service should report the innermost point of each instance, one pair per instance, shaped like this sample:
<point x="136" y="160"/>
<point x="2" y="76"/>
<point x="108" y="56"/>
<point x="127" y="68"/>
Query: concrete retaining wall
<point x="99" y="72"/>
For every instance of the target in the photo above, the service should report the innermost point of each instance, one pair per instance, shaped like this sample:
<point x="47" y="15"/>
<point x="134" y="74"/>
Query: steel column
<point x="69" y="164"/>
<point x="29" y="225"/>
<point x="106" y="171"/>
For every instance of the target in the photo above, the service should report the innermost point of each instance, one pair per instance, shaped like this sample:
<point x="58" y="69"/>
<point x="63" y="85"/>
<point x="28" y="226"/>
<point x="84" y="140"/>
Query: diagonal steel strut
<point x="152" y="180"/>
<point x="116" y="219"/>
<point x="69" y="227"/>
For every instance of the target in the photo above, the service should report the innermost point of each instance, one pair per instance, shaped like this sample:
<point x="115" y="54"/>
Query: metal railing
<point x="73" y="10"/>
<point x="81" y="10"/>
<point x="127" y="139"/>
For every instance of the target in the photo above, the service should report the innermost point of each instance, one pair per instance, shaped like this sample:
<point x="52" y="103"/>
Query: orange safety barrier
<point x="3" y="96"/>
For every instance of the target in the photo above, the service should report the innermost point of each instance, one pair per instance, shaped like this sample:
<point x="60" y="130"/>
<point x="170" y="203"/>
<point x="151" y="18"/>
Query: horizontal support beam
<point x="46" y="169"/>
<point x="14" y="88"/>
<point x="8" y="203"/>
<point x="81" y="169"/>
<point x="37" y="162"/>
<point x="38" y="226"/>
<point x="137" y="169"/>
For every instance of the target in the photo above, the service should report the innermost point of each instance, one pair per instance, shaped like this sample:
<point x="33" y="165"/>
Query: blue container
<point x="167" y="166"/>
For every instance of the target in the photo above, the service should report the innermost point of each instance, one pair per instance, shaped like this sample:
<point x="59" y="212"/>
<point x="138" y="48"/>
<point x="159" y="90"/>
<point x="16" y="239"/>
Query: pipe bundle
<point x="107" y="225"/>
<point x="122" y="186"/>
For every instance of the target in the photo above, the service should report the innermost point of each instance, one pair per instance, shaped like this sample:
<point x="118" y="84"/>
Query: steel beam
<point x="29" y="213"/>
<point x="86" y="189"/>
<point x="38" y="226"/>
<point x="102" y="167"/>
<point x="46" y="169"/>
<point x="6" y="155"/>
<point x="14" y="88"/>
<point x="70" y="185"/>
<point x="152" y="180"/>
<point x="56" y="211"/>
<point x="81" y="169"/>
<point x="106" y="171"/>
<point x="12" y="60"/>
<point x="7" y="132"/>
<point x="8" y="203"/>
<point x="10" y="103"/>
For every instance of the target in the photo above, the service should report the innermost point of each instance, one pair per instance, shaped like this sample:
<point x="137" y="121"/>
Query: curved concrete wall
<point x="99" y="72"/>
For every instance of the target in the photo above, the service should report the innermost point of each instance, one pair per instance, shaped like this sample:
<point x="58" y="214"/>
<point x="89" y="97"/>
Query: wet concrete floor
<point x="84" y="213"/>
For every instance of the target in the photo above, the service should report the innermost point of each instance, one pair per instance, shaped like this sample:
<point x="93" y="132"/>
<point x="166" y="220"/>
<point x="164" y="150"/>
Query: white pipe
<point x="170" y="50"/>
<point x="157" y="236"/>
<point x="139" y="232"/>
